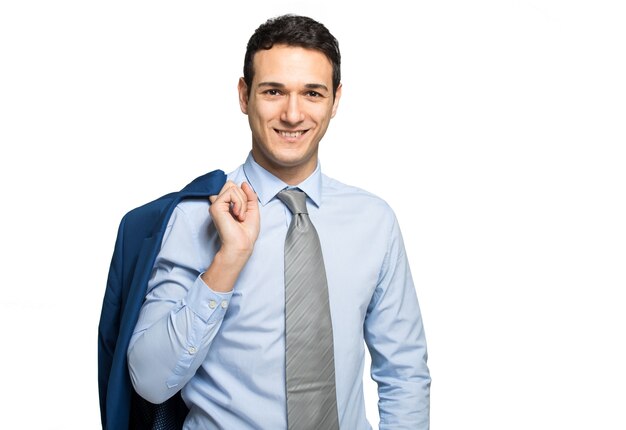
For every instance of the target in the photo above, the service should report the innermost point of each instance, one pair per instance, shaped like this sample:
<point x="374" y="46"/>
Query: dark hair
<point x="293" y="30"/>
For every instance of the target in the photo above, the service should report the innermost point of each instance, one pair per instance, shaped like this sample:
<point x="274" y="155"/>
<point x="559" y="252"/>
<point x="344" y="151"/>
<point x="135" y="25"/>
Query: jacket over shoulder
<point x="137" y="245"/>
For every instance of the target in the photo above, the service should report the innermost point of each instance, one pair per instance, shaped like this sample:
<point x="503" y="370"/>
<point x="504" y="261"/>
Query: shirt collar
<point x="266" y="185"/>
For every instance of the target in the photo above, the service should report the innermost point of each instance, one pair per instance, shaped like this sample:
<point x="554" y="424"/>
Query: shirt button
<point x="212" y="304"/>
<point x="192" y="350"/>
<point x="224" y="304"/>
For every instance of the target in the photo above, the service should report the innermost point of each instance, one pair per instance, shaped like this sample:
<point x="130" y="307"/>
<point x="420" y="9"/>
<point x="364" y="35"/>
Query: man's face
<point x="289" y="108"/>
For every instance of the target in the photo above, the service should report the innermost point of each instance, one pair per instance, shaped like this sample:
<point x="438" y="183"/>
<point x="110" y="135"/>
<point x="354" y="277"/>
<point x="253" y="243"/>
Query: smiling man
<point x="289" y="103"/>
<point x="260" y="300"/>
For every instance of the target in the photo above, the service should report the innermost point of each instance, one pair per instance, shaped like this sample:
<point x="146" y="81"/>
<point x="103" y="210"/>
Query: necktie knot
<point x="294" y="199"/>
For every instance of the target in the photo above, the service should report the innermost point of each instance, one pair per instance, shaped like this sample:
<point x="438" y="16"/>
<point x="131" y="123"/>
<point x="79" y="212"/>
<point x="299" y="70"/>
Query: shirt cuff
<point x="209" y="305"/>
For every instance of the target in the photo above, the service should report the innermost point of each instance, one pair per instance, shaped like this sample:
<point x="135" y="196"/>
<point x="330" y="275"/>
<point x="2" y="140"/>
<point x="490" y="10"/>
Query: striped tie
<point x="310" y="367"/>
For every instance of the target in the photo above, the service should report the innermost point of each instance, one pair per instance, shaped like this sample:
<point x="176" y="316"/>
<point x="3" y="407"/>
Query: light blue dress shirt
<point x="227" y="351"/>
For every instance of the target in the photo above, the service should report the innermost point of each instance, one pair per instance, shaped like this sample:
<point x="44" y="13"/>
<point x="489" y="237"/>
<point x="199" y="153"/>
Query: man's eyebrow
<point x="317" y="87"/>
<point x="279" y="85"/>
<point x="271" y="84"/>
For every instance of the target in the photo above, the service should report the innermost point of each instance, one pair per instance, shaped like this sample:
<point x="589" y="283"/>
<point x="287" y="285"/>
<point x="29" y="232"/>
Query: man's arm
<point x="395" y="337"/>
<point x="184" y="308"/>
<point x="235" y="212"/>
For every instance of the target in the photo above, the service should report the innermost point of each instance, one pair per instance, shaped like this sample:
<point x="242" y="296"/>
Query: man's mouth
<point x="291" y="134"/>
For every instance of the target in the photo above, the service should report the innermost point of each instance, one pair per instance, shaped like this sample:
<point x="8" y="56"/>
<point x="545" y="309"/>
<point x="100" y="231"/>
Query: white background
<point x="495" y="129"/>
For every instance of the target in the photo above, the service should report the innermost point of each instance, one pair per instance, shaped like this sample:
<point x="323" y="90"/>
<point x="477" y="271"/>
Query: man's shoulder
<point x="196" y="209"/>
<point x="353" y="195"/>
<point x="194" y="202"/>
<point x="206" y="184"/>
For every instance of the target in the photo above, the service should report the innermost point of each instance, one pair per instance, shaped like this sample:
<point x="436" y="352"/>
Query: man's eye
<point x="272" y="92"/>
<point x="313" y="94"/>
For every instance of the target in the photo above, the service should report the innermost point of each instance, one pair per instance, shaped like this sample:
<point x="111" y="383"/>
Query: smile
<point x="291" y="134"/>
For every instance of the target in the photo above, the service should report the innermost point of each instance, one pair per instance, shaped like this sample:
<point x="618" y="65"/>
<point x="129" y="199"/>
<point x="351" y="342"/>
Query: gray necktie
<point x="310" y="366"/>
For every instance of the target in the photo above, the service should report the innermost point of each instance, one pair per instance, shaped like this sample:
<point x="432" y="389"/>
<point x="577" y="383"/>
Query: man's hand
<point x="235" y="213"/>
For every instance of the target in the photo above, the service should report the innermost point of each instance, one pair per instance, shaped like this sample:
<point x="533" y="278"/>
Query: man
<point x="215" y="322"/>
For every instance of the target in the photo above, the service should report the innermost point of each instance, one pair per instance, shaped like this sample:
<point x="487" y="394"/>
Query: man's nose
<point x="292" y="112"/>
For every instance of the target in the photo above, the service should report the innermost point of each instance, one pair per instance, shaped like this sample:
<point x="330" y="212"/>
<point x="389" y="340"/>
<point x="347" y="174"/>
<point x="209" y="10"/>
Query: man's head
<point x="290" y="94"/>
<point x="297" y="31"/>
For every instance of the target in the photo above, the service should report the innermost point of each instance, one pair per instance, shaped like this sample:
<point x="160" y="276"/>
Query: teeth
<point x="291" y="133"/>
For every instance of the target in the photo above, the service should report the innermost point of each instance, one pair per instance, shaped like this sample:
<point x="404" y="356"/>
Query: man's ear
<point x="243" y="95"/>
<point x="336" y="100"/>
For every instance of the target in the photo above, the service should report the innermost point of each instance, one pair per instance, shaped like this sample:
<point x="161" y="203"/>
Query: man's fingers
<point x="237" y="199"/>
<point x="234" y="198"/>
<point x="251" y="197"/>
<point x="225" y="188"/>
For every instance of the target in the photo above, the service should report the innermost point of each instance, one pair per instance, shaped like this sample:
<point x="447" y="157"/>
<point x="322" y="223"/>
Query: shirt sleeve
<point x="179" y="318"/>
<point x="394" y="334"/>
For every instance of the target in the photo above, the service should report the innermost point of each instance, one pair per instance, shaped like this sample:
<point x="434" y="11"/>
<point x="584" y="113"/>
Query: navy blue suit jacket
<point x="137" y="245"/>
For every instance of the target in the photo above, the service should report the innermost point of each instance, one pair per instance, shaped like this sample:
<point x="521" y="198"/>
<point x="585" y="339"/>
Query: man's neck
<point x="289" y="175"/>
